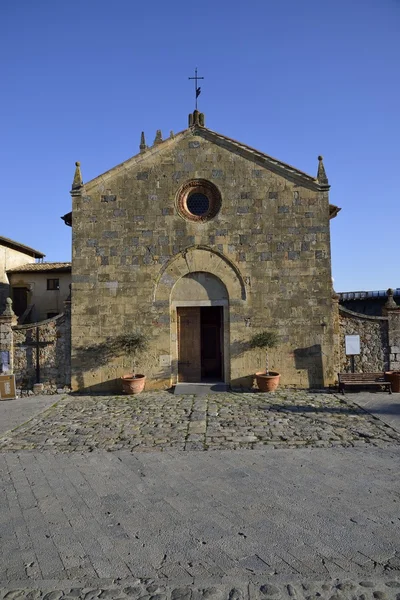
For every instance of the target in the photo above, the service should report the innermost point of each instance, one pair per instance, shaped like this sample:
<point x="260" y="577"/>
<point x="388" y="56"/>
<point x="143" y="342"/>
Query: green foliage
<point x="264" y="339"/>
<point x="128" y="344"/>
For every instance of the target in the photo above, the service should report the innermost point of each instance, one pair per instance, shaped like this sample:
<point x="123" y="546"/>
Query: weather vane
<point x="196" y="88"/>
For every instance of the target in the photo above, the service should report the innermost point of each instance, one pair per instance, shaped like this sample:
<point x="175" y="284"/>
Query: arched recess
<point x="199" y="303"/>
<point x="197" y="259"/>
<point x="199" y="287"/>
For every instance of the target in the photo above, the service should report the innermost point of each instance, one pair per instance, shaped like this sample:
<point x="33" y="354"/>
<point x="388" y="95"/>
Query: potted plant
<point x="132" y="344"/>
<point x="267" y="380"/>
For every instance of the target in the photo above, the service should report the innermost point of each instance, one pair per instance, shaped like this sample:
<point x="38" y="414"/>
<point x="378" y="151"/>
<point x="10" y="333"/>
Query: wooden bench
<point x="363" y="380"/>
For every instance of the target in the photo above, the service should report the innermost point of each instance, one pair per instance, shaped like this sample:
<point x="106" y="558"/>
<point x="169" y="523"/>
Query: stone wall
<point x="271" y="233"/>
<point x="54" y="352"/>
<point x="392" y="312"/>
<point x="374" y="342"/>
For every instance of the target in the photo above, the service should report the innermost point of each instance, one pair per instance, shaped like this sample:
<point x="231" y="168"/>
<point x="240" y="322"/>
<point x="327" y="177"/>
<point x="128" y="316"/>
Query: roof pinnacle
<point x="142" y="145"/>
<point x="158" y="139"/>
<point x="321" y="175"/>
<point x="77" y="182"/>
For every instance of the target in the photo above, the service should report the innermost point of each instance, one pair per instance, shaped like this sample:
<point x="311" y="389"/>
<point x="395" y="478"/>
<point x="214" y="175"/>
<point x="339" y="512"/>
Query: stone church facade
<point x="200" y="242"/>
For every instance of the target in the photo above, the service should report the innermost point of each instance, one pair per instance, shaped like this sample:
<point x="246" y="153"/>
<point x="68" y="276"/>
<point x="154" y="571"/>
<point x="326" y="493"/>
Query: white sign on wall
<point x="352" y="344"/>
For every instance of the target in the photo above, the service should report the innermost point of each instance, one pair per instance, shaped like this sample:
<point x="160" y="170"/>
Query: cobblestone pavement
<point x="321" y="521"/>
<point x="17" y="411"/>
<point x="148" y="589"/>
<point x="155" y="421"/>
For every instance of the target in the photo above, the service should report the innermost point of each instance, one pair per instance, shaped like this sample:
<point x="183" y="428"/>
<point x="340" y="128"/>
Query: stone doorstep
<point x="200" y="389"/>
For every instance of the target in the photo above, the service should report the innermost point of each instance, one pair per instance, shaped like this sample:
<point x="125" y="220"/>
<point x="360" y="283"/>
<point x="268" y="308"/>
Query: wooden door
<point x="211" y="347"/>
<point x="189" y="350"/>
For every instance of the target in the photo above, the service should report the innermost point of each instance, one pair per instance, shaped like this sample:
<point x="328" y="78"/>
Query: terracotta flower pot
<point x="133" y="385"/>
<point x="267" y="383"/>
<point x="394" y="378"/>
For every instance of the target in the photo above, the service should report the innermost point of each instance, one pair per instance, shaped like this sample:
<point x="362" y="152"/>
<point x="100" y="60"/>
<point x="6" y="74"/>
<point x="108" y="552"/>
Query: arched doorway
<point x="199" y="329"/>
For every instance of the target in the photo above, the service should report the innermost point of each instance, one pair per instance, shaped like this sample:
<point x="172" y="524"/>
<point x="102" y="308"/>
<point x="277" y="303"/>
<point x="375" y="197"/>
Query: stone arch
<point x="199" y="286"/>
<point x="199" y="259"/>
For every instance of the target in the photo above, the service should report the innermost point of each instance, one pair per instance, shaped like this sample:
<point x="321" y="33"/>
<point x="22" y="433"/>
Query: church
<point x="199" y="242"/>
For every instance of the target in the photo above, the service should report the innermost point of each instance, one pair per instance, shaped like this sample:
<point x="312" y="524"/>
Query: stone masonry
<point x="7" y="320"/>
<point x="54" y="336"/>
<point x="54" y="354"/>
<point x="269" y="245"/>
<point x="379" y="338"/>
<point x="392" y="310"/>
<point x="374" y="346"/>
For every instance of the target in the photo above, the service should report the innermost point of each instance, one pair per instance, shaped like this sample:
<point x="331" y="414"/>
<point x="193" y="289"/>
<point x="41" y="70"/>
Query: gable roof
<point x="20" y="247"/>
<point x="62" y="267"/>
<point x="197" y="129"/>
<point x="262" y="159"/>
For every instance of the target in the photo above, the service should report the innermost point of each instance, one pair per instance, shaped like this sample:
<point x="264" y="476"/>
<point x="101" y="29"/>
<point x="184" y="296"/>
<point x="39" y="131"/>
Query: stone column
<point x="67" y="316"/>
<point x="392" y="311"/>
<point x="7" y="320"/>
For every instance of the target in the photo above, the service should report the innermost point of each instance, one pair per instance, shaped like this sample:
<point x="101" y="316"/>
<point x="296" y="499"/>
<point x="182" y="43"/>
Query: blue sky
<point x="294" y="79"/>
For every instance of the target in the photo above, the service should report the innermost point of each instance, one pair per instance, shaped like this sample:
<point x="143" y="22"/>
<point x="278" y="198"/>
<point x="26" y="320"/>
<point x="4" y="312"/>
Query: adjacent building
<point x="12" y="255"/>
<point x="39" y="290"/>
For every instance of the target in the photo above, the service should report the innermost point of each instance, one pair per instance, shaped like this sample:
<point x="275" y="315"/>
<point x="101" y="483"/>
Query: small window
<point x="198" y="204"/>
<point x="198" y="200"/>
<point x="53" y="284"/>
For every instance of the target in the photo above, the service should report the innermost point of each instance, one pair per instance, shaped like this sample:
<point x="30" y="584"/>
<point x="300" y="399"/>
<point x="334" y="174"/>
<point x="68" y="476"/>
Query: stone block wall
<point x="272" y="230"/>
<point x="54" y="353"/>
<point x="394" y="339"/>
<point x="374" y="341"/>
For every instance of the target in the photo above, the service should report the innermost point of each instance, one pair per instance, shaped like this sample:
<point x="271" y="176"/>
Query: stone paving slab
<point x="154" y="421"/>
<point x="15" y="412"/>
<point x="385" y="407"/>
<point x="189" y="517"/>
<point x="148" y="589"/>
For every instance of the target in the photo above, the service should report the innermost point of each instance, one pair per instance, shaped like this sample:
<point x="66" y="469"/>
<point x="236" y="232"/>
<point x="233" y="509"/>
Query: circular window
<point x="198" y="200"/>
<point x="198" y="204"/>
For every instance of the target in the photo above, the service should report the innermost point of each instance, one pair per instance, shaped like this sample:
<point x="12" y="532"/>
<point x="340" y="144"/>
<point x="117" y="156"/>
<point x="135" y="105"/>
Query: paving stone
<point x="227" y="420"/>
<point x="301" y="590"/>
<point x="56" y="595"/>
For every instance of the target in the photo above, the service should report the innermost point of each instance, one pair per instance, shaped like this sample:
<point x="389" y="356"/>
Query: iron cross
<point x="197" y="90"/>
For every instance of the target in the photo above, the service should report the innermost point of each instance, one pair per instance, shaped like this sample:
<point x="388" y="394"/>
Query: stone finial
<point x="390" y="303"/>
<point x="77" y="182"/>
<point x="321" y="175"/>
<point x="158" y="139"/>
<point x="196" y="118"/>
<point x="8" y="311"/>
<point x="142" y="146"/>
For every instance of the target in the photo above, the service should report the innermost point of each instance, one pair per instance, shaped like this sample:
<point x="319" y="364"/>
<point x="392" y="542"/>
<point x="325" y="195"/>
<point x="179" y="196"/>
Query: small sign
<point x="352" y="344"/>
<point x="7" y="387"/>
<point x="4" y="361"/>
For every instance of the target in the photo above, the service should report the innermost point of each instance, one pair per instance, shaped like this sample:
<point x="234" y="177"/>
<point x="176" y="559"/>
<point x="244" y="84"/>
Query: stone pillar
<point x="392" y="311"/>
<point x="336" y="333"/>
<point x="7" y="320"/>
<point x="67" y="316"/>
